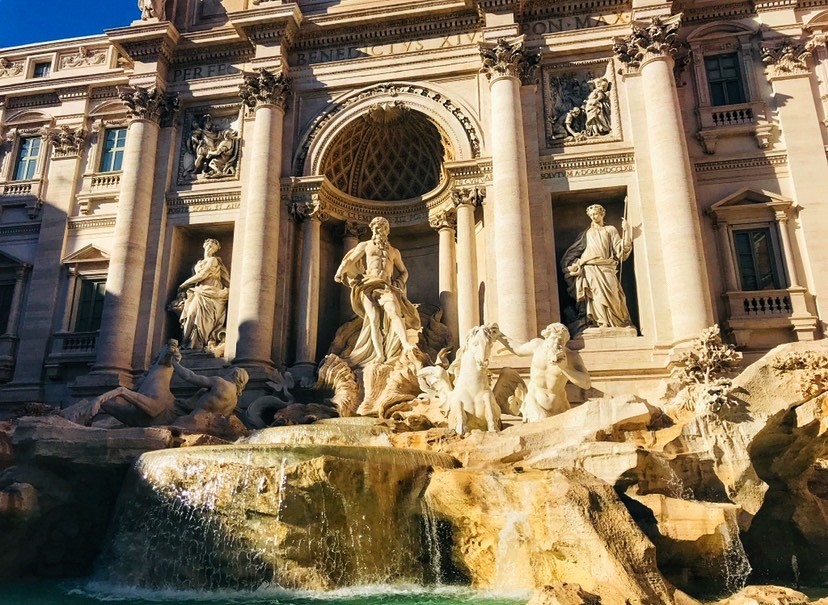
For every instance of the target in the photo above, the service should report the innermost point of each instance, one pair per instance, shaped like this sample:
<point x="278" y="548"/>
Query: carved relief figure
<point x="578" y="107"/>
<point x="597" y="108"/>
<point x="202" y="302"/>
<point x="213" y="151"/>
<point x="375" y="272"/>
<point x="564" y="92"/>
<point x="590" y="267"/>
<point x="83" y="57"/>
<point x="552" y="366"/>
<point x="10" y="68"/>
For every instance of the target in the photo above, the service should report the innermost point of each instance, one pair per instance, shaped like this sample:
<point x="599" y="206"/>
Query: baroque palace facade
<point x="481" y="129"/>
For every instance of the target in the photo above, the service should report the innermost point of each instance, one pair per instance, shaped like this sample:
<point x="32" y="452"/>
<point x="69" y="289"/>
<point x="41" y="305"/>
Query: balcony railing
<point x="105" y="181"/>
<point x="74" y="344"/>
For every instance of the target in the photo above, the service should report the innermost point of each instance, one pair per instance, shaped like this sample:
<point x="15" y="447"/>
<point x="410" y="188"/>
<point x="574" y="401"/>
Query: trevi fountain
<point x="404" y="474"/>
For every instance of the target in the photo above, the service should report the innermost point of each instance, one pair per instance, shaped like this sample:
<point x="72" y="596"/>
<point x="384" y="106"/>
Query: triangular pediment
<point x="88" y="254"/>
<point x="750" y="197"/>
<point x="7" y="261"/>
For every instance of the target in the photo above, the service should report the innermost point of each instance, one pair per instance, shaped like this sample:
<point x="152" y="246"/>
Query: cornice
<point x="91" y="223"/>
<point x="586" y="165"/>
<point x="187" y="203"/>
<point x="421" y="26"/>
<point x="21" y="229"/>
<point x="237" y="51"/>
<point x="761" y="162"/>
<point x="714" y="12"/>
<point x="39" y="48"/>
<point x="565" y="8"/>
<point x="151" y="42"/>
<point x="114" y="77"/>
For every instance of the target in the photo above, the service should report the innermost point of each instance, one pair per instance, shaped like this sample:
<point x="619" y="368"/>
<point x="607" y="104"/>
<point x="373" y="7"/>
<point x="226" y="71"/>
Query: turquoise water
<point x="69" y="593"/>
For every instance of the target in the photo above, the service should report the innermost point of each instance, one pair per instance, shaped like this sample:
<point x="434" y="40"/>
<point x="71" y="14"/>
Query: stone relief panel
<point x="580" y="104"/>
<point x="82" y="58"/>
<point x="10" y="68"/>
<point x="210" y="146"/>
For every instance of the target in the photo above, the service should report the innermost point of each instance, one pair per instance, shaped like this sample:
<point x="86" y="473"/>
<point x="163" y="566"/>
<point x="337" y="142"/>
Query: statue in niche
<point x="151" y="9"/>
<point x="375" y="272"/>
<point x="591" y="270"/>
<point x="552" y="366"/>
<point x="213" y="151"/>
<point x="202" y="302"/>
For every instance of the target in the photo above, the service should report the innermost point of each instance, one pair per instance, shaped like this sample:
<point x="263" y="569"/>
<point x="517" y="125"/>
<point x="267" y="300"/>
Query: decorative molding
<point x="767" y="161"/>
<point x="718" y="12"/>
<point x="83" y="57"/>
<point x="788" y="57"/>
<point x="149" y="104"/>
<point x="265" y="88"/>
<point x="392" y="90"/>
<point x="596" y="165"/>
<point x="91" y="223"/>
<point x="67" y="141"/>
<point x="648" y="40"/>
<point x="509" y="59"/>
<point x="229" y="53"/>
<point x="206" y="202"/>
<point x="39" y="100"/>
<point x="10" y="68"/>
<point x="103" y="92"/>
<point x="444" y="218"/>
<point x="21" y="229"/>
<point x="305" y="209"/>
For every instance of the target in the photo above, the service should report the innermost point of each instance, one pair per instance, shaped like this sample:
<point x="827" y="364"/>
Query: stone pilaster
<point x="445" y="222"/>
<point x="788" y="67"/>
<point x="650" y="49"/>
<point x="506" y="65"/>
<point x="266" y="94"/>
<point x="468" y="310"/>
<point x="310" y="214"/>
<point x="147" y="108"/>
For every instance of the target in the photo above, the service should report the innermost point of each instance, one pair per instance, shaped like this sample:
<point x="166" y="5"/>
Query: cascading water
<point x="735" y="561"/>
<point x="243" y="516"/>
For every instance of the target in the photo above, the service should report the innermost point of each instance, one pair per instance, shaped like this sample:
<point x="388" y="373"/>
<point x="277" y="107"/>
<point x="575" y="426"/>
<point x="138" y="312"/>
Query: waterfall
<point x="239" y="517"/>
<point x="735" y="561"/>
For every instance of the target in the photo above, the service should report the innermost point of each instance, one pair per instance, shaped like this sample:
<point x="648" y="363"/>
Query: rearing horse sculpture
<point x="152" y="403"/>
<point x="471" y="403"/>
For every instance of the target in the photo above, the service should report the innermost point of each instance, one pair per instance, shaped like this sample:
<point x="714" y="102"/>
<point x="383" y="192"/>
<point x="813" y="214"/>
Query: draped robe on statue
<point x="597" y="290"/>
<point x="378" y="291"/>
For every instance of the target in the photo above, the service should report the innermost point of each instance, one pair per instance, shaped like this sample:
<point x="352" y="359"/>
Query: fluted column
<point x="468" y="311"/>
<point x="266" y="93"/>
<point x="350" y="238"/>
<point x="505" y="65"/>
<point x="310" y="214"/>
<point x="650" y="48"/>
<point x="445" y="222"/>
<point x="147" y="107"/>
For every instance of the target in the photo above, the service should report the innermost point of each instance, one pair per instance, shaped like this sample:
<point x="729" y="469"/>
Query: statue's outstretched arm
<point x="190" y="376"/>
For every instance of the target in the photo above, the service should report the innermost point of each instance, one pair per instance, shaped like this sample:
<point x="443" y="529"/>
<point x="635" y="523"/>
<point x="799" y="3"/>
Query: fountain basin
<point x="297" y="516"/>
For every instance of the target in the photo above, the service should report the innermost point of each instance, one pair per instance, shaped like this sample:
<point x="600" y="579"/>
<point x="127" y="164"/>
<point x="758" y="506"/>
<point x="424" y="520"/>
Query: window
<point x="113" y="150"/>
<point x="756" y="259"/>
<point x="26" y="164"/>
<point x="6" y="294"/>
<point x="724" y="79"/>
<point x="41" y="70"/>
<point x="90" y="305"/>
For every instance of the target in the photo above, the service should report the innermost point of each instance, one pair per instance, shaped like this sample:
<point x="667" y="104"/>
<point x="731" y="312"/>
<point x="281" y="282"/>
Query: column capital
<point x="149" y="104"/>
<point x="307" y="209"/>
<point x="788" y="57"/>
<point x="649" y="40"/>
<point x="444" y="219"/>
<point x="504" y="59"/>
<point x="472" y="196"/>
<point x="67" y="141"/>
<point x="265" y="88"/>
<point x="354" y="229"/>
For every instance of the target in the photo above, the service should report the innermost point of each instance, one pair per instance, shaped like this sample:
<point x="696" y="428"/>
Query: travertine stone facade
<point x="481" y="129"/>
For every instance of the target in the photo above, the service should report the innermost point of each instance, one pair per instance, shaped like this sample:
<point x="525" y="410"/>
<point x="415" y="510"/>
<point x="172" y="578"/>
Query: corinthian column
<point x="310" y="214"/>
<point x="651" y="48"/>
<point x="147" y="107"/>
<point x="468" y="313"/>
<point x="505" y="65"/>
<point x="445" y="222"/>
<point x="266" y="93"/>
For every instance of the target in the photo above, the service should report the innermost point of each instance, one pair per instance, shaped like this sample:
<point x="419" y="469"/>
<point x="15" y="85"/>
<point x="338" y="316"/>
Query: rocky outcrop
<point x="310" y="517"/>
<point x="766" y="595"/>
<point x="525" y="530"/>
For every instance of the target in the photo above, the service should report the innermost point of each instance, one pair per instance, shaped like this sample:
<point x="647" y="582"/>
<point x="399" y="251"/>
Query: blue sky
<point x="28" y="21"/>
